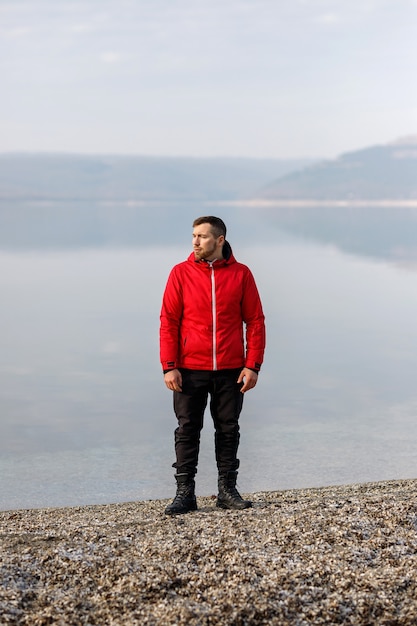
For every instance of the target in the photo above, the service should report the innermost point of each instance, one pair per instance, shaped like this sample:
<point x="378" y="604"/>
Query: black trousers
<point x="226" y="402"/>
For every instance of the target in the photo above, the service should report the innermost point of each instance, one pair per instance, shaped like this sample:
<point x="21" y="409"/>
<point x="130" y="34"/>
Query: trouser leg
<point x="189" y="406"/>
<point x="226" y="405"/>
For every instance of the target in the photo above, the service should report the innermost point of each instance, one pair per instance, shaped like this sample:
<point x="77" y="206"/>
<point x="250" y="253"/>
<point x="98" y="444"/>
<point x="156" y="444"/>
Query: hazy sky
<point x="263" y="78"/>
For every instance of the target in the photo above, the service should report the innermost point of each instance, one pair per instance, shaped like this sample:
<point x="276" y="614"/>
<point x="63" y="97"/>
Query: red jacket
<point x="203" y="311"/>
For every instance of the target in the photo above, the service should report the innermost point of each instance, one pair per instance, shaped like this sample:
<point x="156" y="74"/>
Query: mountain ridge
<point x="382" y="172"/>
<point x="376" y="174"/>
<point x="63" y="176"/>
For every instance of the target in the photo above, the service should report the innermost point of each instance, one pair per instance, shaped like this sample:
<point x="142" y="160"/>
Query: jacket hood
<point x="227" y="250"/>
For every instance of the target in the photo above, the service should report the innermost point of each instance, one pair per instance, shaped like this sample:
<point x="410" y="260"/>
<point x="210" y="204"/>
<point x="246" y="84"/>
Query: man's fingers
<point x="173" y="380"/>
<point x="249" y="379"/>
<point x="174" y="386"/>
<point x="249" y="384"/>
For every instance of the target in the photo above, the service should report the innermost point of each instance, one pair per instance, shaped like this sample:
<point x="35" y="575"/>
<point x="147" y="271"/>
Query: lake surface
<point x="84" y="415"/>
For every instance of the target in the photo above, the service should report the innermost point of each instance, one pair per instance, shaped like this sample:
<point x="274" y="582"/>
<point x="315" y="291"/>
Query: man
<point x="208" y="300"/>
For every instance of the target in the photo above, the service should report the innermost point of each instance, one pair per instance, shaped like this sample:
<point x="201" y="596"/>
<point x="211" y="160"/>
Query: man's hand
<point x="249" y="378"/>
<point x="173" y="380"/>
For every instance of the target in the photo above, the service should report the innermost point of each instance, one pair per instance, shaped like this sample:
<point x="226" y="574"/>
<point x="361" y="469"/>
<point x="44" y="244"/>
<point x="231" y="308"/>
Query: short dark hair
<point x="218" y="227"/>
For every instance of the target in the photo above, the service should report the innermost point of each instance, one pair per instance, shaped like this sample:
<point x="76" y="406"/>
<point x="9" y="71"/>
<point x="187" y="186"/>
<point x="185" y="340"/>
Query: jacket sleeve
<point x="254" y="319"/>
<point x="170" y="318"/>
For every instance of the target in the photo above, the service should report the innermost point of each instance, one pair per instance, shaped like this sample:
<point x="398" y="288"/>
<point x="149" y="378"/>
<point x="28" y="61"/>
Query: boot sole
<point x="171" y="513"/>
<point x="181" y="511"/>
<point x="223" y="505"/>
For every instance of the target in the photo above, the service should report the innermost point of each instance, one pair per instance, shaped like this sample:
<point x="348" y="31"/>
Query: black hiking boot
<point x="185" y="499"/>
<point x="229" y="497"/>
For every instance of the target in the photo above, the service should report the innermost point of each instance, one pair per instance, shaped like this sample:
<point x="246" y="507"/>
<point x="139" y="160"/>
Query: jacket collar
<point x="219" y="263"/>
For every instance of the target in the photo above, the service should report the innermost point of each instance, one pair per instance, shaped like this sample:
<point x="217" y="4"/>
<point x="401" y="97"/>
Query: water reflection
<point x="85" y="417"/>
<point x="381" y="232"/>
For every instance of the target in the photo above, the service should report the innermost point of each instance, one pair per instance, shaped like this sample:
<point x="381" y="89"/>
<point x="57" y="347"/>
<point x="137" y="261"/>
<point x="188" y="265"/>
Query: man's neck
<point x="216" y="257"/>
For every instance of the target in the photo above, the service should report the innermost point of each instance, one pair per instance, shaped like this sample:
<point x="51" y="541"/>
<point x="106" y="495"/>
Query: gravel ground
<point x="336" y="555"/>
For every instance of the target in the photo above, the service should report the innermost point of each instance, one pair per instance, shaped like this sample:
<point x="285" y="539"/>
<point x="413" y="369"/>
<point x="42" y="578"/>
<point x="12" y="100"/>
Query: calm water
<point x="85" y="417"/>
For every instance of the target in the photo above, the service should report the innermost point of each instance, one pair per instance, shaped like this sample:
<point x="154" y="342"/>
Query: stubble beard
<point x="201" y="255"/>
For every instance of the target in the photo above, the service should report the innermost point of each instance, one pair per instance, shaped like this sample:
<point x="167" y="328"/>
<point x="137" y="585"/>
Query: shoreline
<point x="344" y="554"/>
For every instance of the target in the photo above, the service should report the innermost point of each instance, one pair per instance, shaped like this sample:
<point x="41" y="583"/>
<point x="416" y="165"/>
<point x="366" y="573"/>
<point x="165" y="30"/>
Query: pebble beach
<point x="332" y="555"/>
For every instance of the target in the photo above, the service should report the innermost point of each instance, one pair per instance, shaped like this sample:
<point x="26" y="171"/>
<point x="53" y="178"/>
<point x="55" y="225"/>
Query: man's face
<point x="205" y="244"/>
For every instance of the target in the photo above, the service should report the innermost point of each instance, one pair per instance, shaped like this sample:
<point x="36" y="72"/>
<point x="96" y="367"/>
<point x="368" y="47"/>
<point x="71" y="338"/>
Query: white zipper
<point x="213" y="312"/>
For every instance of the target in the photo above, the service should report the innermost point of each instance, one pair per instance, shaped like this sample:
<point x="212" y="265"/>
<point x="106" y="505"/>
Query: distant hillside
<point x="122" y="178"/>
<point x="375" y="173"/>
